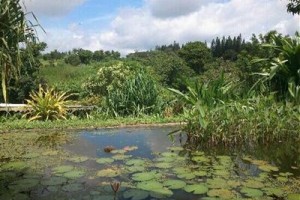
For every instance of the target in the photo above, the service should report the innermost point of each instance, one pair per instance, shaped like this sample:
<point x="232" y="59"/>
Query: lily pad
<point x="201" y="159"/>
<point x="16" y="165"/>
<point x="274" y="191"/>
<point x="54" y="181"/>
<point x="250" y="192"/>
<point x="78" y="159"/>
<point x="62" y="169"/>
<point x="161" y="193"/>
<point x="174" y="184"/>
<point x="145" y="176"/>
<point x="169" y="154"/>
<point x="217" y="183"/>
<point x="187" y="176"/>
<point x="23" y="185"/>
<point x="135" y="168"/>
<point x="175" y="148"/>
<point x="135" y="162"/>
<point x="135" y="194"/>
<point x="268" y="168"/>
<point x="108" y="173"/>
<point x="293" y="196"/>
<point x="163" y="165"/>
<point x="74" y="174"/>
<point x="149" y="185"/>
<point x="196" y="189"/>
<point x="254" y="184"/>
<point x="31" y="155"/>
<point x="105" y="160"/>
<point x="200" y="173"/>
<point x="73" y="187"/>
<point x="222" y="193"/>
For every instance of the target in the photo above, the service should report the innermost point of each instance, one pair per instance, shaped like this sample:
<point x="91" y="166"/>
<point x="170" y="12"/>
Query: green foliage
<point x="47" y="104"/>
<point x="137" y="95"/>
<point x="293" y="7"/>
<point x="283" y="68"/>
<point x="73" y="60"/>
<point x="195" y="54"/>
<point x="14" y="29"/>
<point x="109" y="77"/>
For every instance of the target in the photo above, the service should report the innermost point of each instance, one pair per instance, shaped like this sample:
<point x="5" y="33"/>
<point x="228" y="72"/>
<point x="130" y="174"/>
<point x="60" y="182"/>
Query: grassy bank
<point x="11" y="124"/>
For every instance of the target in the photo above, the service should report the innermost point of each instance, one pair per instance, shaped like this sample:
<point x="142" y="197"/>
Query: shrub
<point x="138" y="95"/>
<point x="47" y="104"/>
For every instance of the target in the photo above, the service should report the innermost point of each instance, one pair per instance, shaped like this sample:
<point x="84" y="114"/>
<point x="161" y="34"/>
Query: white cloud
<point x="53" y="8"/>
<point x="140" y="29"/>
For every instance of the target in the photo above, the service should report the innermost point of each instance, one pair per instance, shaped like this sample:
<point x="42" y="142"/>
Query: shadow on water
<point x="83" y="165"/>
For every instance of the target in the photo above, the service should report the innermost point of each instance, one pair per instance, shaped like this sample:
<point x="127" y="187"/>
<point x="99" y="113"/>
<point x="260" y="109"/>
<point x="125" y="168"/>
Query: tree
<point x="293" y="7"/>
<point x="195" y="54"/>
<point x="14" y="29"/>
<point x="85" y="56"/>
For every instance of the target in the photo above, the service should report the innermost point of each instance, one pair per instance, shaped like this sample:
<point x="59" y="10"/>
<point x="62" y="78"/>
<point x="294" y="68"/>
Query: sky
<point x="137" y="25"/>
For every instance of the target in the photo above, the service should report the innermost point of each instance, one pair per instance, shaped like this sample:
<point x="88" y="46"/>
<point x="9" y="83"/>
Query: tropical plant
<point x="279" y="71"/>
<point x="47" y="104"/>
<point x="14" y="29"/>
<point x="138" y="95"/>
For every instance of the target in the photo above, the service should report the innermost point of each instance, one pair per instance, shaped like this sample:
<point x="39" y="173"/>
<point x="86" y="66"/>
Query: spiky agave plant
<point x="47" y="104"/>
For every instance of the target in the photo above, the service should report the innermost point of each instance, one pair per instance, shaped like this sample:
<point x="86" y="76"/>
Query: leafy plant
<point x="47" y="104"/>
<point x="138" y="95"/>
<point x="14" y="29"/>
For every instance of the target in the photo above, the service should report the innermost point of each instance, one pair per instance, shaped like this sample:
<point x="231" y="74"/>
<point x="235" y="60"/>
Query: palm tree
<point x="15" y="32"/>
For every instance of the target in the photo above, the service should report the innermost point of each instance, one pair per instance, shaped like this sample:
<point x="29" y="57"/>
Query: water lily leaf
<point x="74" y="174"/>
<point x="62" y="169"/>
<point x="130" y="148"/>
<point x="161" y="193"/>
<point x="174" y="184"/>
<point x="109" y="173"/>
<point x="282" y="179"/>
<point x="223" y="173"/>
<point x="53" y="188"/>
<point x="16" y="165"/>
<point x="135" y="194"/>
<point x="268" y="168"/>
<point x="181" y="170"/>
<point x="198" y="153"/>
<point x="135" y="162"/>
<point x="253" y="184"/>
<point x="23" y="185"/>
<point x="293" y="196"/>
<point x="145" y="176"/>
<point x="163" y="165"/>
<point x="216" y="183"/>
<point x="121" y="157"/>
<point x="104" y="197"/>
<point x="200" y="159"/>
<point x="250" y="192"/>
<point x="169" y="154"/>
<point x="166" y="159"/>
<point x="233" y="183"/>
<point x="200" y="173"/>
<point x="31" y="155"/>
<point x="104" y="160"/>
<point x="78" y="159"/>
<point x="222" y="193"/>
<point x="196" y="189"/>
<point x="54" y="181"/>
<point x="187" y="176"/>
<point x="150" y="185"/>
<point x="274" y="191"/>
<point x="118" y="151"/>
<point x="73" y="187"/>
<point x="175" y="148"/>
<point x="50" y="153"/>
<point x="286" y="174"/>
<point x="135" y="168"/>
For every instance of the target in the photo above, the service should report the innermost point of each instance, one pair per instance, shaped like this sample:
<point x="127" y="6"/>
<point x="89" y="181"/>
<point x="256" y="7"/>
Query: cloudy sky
<point x="130" y="25"/>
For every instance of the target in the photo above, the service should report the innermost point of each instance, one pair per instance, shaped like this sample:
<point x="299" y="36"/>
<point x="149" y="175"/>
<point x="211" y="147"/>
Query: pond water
<point x="146" y="163"/>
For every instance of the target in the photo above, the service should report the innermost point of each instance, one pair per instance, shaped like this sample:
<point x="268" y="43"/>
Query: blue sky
<point x="129" y="25"/>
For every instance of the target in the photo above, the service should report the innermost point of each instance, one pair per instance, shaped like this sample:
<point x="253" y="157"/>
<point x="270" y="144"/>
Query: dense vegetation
<point x="230" y="92"/>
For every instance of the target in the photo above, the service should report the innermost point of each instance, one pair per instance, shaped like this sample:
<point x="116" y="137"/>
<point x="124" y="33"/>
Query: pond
<point x="146" y="163"/>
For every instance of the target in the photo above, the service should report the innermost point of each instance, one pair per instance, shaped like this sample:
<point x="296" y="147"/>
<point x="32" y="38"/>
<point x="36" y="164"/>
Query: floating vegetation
<point x="177" y="173"/>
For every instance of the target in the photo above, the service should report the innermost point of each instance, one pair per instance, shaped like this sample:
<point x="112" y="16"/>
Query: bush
<point x="47" y="104"/>
<point x="138" y="95"/>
